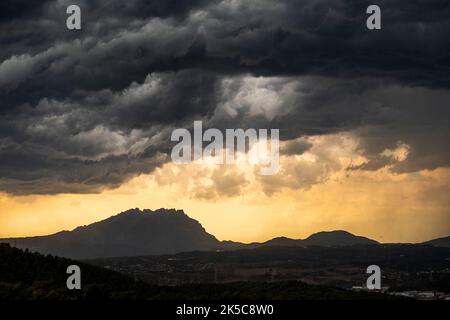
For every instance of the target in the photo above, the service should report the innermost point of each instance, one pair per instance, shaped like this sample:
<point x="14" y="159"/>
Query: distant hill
<point x="336" y="238"/>
<point x="323" y="239"/>
<point x="440" y="242"/>
<point x="130" y="233"/>
<point x="282" y="241"/>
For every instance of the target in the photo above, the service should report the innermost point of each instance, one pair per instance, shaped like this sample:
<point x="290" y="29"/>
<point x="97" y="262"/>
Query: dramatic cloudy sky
<point x="364" y="116"/>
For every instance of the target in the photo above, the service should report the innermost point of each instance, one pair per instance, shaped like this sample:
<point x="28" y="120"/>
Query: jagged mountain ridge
<point x="130" y="233"/>
<point x="138" y="232"/>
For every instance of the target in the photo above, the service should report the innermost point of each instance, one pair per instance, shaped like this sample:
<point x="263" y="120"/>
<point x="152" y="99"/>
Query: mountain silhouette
<point x="333" y="238"/>
<point x="130" y="233"/>
<point x="138" y="232"/>
<point x="323" y="239"/>
<point x="282" y="242"/>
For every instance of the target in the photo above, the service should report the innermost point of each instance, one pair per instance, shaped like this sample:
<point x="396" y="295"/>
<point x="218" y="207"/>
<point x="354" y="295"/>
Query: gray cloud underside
<point x="83" y="110"/>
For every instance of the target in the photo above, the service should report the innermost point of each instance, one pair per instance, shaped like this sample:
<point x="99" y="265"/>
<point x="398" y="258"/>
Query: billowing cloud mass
<point x="88" y="110"/>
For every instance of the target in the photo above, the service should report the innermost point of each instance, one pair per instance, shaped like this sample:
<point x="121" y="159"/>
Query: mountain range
<point x="138" y="232"/>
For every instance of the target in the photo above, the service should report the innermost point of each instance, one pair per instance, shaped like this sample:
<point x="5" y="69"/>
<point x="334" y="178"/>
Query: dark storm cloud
<point x="18" y="9"/>
<point x="296" y="147"/>
<point x="261" y="37"/>
<point x="382" y="114"/>
<point x="145" y="8"/>
<point x="25" y="172"/>
<point x="101" y="139"/>
<point x="83" y="110"/>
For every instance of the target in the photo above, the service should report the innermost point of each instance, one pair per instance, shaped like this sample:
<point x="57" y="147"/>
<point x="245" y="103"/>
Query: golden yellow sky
<point x="312" y="192"/>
